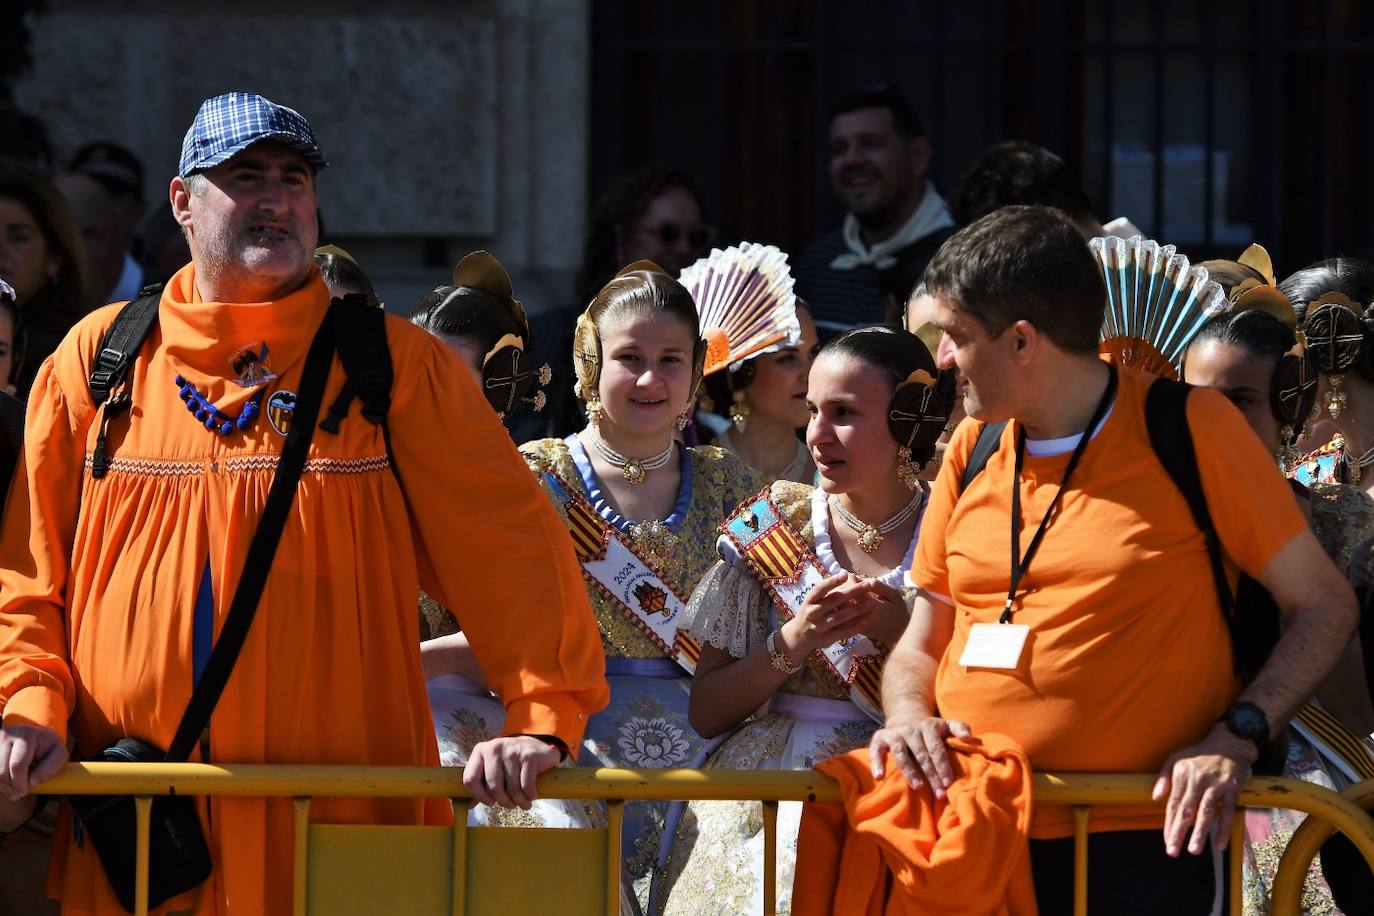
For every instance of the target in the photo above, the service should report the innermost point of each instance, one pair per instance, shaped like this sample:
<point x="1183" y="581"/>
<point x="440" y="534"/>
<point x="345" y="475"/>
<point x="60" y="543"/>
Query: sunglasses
<point x="698" y="237"/>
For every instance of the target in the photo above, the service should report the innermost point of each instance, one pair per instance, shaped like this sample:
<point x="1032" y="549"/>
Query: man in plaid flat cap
<point x="112" y="583"/>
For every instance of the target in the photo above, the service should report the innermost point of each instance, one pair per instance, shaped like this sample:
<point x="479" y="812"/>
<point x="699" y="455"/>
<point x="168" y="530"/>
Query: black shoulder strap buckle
<point x="111" y="365"/>
<point x="121" y="344"/>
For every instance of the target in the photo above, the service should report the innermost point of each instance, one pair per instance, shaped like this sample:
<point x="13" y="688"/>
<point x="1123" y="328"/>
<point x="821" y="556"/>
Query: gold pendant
<point x="869" y="539"/>
<point x="655" y="539"/>
<point x="633" y="471"/>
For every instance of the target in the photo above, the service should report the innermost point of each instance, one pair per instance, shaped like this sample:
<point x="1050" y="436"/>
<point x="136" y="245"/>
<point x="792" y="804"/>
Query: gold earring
<point x="907" y="471"/>
<point x="1335" y="399"/>
<point x="739" y="411"/>
<point x="595" y="411"/>
<point x="681" y="421"/>
<point x="1309" y="426"/>
<point x="1288" y="450"/>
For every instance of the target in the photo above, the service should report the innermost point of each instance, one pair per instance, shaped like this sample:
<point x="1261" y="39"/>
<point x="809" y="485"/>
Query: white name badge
<point x="994" y="645"/>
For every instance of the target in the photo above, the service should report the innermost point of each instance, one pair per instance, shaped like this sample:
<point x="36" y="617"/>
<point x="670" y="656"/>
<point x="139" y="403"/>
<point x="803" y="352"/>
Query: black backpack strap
<point x="989" y="440"/>
<point x="1252" y="616"/>
<point x="360" y="330"/>
<point x="121" y="344"/>
<point x="1166" y="420"/>
<point x="263" y="547"/>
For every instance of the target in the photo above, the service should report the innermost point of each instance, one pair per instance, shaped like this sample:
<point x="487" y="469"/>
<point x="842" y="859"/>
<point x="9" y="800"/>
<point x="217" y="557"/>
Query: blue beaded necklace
<point x="214" y="418"/>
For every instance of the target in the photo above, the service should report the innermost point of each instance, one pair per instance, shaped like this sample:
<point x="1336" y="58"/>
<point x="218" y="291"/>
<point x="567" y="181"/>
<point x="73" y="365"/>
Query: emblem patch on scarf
<point x="252" y="366"/>
<point x="652" y="599"/>
<point x="280" y="406"/>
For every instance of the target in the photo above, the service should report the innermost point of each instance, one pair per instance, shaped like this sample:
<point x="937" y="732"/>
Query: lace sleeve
<point x="729" y="609"/>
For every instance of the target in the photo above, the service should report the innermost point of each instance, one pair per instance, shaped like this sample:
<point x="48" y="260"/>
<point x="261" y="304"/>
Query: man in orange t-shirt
<point x="101" y="577"/>
<point x="1101" y="646"/>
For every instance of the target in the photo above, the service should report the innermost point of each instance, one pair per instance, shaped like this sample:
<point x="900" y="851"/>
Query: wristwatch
<point x="777" y="658"/>
<point x="1248" y="721"/>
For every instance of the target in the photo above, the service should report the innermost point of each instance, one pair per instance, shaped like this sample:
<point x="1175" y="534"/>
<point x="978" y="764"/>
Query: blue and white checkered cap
<point x="7" y="292"/>
<point x="230" y="123"/>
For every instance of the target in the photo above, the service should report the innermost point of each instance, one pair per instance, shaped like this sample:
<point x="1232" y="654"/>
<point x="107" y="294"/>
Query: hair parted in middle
<point x="339" y="268"/>
<point x="640" y="288"/>
<point x="1023" y="263"/>
<point x="480" y="307"/>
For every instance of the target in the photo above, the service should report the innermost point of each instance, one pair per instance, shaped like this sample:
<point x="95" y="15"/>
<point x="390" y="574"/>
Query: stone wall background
<point x="448" y="126"/>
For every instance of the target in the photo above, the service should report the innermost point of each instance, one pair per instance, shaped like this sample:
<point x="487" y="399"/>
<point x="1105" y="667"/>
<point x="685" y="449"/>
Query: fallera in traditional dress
<point x="715" y="864"/>
<point x="645" y="725"/>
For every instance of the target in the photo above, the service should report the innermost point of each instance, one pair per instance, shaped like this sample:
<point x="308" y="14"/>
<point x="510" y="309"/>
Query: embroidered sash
<point x="1321" y="466"/>
<point x="614" y="565"/>
<point x="788" y="569"/>
<point x="1335" y="742"/>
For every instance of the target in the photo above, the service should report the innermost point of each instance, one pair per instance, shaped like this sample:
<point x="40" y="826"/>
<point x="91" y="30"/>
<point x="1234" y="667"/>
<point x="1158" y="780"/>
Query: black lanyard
<point x="1019" y="563"/>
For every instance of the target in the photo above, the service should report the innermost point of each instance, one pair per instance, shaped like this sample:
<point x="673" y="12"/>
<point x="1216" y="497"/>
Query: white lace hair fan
<point x="1156" y="303"/>
<point x="744" y="301"/>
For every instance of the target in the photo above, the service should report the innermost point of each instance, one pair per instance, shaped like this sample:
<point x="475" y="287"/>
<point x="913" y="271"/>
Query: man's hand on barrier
<point x="1202" y="784"/>
<point x="503" y="771"/>
<point x="918" y="748"/>
<point x="29" y="754"/>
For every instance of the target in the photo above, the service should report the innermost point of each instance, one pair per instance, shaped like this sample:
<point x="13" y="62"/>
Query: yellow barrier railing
<point x="1327" y="810"/>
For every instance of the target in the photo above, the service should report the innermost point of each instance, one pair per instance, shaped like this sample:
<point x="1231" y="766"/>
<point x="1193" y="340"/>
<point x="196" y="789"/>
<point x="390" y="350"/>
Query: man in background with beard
<point x="863" y="272"/>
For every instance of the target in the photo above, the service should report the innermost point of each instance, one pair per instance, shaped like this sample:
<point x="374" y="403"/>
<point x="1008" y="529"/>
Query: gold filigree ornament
<point x="1335" y="398"/>
<point x="655" y="539"/>
<point x="739" y="410"/>
<point x="908" y="472"/>
<point x="1289" y="456"/>
<point x="871" y="536"/>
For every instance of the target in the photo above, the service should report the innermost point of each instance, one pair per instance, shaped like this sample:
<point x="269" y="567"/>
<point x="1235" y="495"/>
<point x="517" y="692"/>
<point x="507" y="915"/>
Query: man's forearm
<point x="909" y="684"/>
<point x="1309" y="648"/>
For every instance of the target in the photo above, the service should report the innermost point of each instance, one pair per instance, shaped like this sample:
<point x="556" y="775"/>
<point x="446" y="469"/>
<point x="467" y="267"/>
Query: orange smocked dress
<point x="99" y="577"/>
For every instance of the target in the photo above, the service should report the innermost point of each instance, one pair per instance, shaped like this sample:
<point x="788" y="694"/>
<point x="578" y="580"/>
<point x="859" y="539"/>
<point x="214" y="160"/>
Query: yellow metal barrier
<point x="453" y="862"/>
<point x="1303" y="846"/>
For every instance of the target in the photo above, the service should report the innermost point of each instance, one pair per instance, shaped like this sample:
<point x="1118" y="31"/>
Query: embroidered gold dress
<point x="715" y="864"/>
<point x="1342" y="516"/>
<point x="646" y="722"/>
<point x="801" y="469"/>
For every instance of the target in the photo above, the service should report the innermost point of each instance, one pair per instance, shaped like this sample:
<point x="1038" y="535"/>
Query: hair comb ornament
<point x="1265" y="294"/>
<point x="745" y="303"/>
<point x="916" y="418"/>
<point x="1156" y="303"/>
<point x="507" y="369"/>
<point x="1335" y="331"/>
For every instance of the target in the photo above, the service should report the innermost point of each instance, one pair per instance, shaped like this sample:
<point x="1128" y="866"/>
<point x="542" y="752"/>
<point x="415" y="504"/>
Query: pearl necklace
<point x="870" y="536"/>
<point x="634" y="470"/>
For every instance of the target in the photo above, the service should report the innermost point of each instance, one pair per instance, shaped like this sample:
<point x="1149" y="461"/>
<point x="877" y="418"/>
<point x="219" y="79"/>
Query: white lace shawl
<point x="730" y="608"/>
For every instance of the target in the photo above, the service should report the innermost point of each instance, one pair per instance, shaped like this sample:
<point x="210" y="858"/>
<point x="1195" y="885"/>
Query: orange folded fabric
<point x="889" y="850"/>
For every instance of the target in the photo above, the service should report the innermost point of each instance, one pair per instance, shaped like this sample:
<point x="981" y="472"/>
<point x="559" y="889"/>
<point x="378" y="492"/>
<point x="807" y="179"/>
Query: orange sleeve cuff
<point x="38" y="706"/>
<point x="557" y="714"/>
